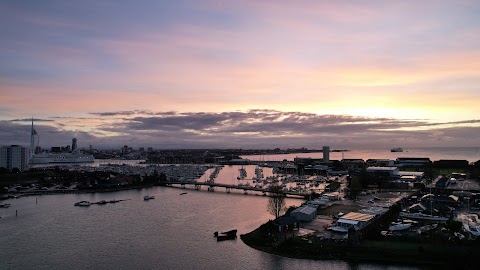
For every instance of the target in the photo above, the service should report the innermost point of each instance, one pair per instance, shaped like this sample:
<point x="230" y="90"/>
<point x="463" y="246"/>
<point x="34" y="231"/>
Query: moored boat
<point x="228" y="235"/>
<point x="223" y="237"/>
<point x="399" y="226"/>
<point x="420" y="216"/>
<point x="338" y="229"/>
<point x="397" y="149"/>
<point x="83" y="203"/>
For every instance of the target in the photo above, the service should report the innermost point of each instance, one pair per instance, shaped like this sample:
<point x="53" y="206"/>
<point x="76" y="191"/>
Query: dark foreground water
<point x="170" y="232"/>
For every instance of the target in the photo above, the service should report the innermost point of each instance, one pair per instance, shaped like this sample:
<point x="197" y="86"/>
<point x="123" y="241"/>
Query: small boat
<point x="228" y="235"/>
<point x="223" y="237"/>
<point x="102" y="202"/>
<point x="183" y="193"/>
<point x="399" y="226"/>
<point x="148" y="197"/>
<point x="397" y="149"/>
<point x="234" y="232"/>
<point x="83" y="203"/>
<point x="420" y="216"/>
<point x="472" y="228"/>
<point x="338" y="229"/>
<point x="427" y="228"/>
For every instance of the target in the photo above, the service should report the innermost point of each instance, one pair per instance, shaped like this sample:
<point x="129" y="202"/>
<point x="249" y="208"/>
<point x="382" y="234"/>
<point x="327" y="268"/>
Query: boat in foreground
<point x="228" y="235"/>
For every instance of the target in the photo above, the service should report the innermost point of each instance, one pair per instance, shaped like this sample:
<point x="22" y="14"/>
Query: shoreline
<point x="379" y="252"/>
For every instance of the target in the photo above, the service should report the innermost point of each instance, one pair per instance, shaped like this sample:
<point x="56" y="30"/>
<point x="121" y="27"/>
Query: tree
<point x="355" y="188"/>
<point x="4" y="170"/>
<point x="276" y="202"/>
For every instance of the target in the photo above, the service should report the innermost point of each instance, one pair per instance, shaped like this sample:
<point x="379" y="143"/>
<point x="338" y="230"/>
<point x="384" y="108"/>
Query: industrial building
<point x="304" y="213"/>
<point x="359" y="220"/>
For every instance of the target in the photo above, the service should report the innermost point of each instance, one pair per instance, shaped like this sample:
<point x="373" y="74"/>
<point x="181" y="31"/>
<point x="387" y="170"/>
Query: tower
<point x="74" y="144"/>
<point x="326" y="154"/>
<point x="32" y="140"/>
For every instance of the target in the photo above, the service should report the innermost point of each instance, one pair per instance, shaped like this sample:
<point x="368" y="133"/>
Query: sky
<point x="240" y="74"/>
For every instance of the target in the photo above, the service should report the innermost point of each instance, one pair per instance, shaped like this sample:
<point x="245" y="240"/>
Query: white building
<point x="14" y="156"/>
<point x="304" y="213"/>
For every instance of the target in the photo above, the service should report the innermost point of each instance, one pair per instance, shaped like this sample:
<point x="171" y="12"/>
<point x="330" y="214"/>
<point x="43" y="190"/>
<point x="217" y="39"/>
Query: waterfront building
<point x="286" y="224"/>
<point x="391" y="171"/>
<point x="412" y="162"/>
<point x="380" y="163"/>
<point x="304" y="213"/>
<point x="354" y="164"/>
<point x="445" y="163"/>
<point x="14" y="156"/>
<point x="359" y="220"/>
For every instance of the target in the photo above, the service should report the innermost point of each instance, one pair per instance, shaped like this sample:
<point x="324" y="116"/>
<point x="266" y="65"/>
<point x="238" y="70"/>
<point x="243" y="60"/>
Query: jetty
<point x="228" y="187"/>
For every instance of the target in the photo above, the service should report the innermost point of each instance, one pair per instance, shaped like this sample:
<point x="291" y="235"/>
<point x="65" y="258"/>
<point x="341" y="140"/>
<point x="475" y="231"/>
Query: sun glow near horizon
<point x="411" y="62"/>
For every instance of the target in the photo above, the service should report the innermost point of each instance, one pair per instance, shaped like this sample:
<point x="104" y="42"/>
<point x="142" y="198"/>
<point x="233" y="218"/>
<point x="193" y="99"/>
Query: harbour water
<point x="172" y="231"/>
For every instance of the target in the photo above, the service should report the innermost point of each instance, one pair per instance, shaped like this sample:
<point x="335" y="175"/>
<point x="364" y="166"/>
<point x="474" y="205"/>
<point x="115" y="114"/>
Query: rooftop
<point x="358" y="216"/>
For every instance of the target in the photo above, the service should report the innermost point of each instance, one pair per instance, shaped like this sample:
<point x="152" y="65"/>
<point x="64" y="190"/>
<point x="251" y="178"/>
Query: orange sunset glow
<point x="406" y="66"/>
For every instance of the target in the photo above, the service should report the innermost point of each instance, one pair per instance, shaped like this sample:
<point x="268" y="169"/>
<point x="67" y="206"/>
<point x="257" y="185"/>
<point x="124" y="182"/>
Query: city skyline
<point x="260" y="74"/>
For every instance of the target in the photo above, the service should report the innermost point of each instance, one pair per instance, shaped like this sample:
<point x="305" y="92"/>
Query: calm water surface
<point x="170" y="232"/>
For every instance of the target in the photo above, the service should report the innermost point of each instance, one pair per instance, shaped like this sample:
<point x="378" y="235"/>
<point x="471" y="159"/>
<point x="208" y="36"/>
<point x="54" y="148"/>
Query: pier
<point x="211" y="187"/>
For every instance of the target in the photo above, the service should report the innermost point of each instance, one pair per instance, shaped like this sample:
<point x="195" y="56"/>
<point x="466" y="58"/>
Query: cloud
<point x="257" y="128"/>
<point x="30" y="120"/>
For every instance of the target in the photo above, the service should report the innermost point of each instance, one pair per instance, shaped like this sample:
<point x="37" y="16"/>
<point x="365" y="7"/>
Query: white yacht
<point x="420" y="216"/>
<point x="399" y="226"/>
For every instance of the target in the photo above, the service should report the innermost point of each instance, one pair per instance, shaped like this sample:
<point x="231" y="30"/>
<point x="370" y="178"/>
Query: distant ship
<point x="398" y="149"/>
<point x="47" y="158"/>
<point x="74" y="157"/>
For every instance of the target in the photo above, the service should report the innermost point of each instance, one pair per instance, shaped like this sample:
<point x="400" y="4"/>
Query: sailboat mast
<point x="32" y="140"/>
